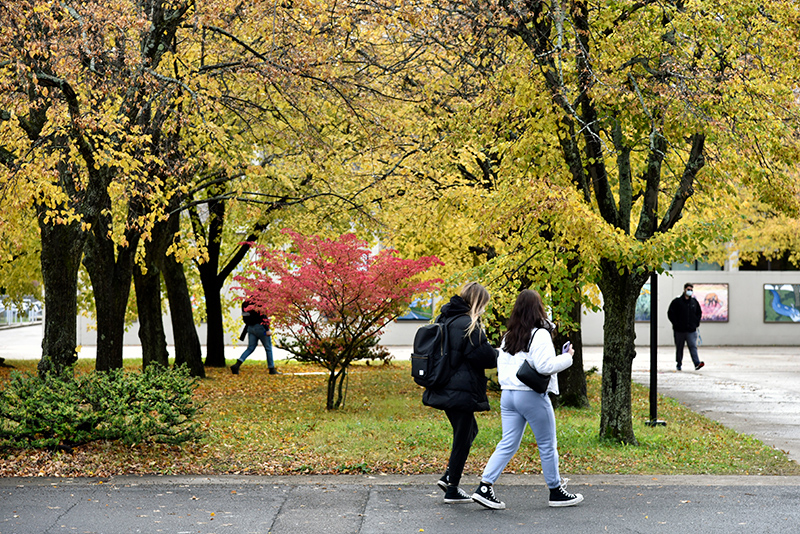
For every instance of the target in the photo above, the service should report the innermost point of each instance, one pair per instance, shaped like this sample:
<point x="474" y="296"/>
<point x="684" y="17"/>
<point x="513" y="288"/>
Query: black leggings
<point x="465" y="428"/>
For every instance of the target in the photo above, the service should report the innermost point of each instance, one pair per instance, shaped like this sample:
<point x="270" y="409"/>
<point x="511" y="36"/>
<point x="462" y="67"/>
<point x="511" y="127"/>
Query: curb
<point x="19" y="325"/>
<point x="402" y="480"/>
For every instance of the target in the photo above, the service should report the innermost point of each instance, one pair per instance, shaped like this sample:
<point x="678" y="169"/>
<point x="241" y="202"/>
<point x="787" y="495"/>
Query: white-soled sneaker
<point x="484" y="496"/>
<point x="561" y="497"/>
<point x="455" y="495"/>
<point x="442" y="482"/>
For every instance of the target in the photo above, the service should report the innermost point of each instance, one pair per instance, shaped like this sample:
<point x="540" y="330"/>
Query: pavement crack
<point x="284" y="500"/>
<point x="64" y="512"/>
<point x="363" y="512"/>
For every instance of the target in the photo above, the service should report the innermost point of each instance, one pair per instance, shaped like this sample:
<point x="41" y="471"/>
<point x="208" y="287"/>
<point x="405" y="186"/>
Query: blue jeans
<point x="690" y="338"/>
<point x="256" y="332"/>
<point x="516" y="409"/>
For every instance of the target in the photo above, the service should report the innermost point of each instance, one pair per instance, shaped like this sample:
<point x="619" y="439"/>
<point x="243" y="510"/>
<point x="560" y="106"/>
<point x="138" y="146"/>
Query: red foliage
<point x="333" y="280"/>
<point x="333" y="296"/>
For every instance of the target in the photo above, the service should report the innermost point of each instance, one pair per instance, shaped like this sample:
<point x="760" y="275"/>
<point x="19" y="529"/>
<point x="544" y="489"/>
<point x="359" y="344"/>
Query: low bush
<point x="61" y="411"/>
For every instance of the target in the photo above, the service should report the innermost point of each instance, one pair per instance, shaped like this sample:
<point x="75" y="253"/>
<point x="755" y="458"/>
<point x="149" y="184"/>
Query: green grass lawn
<point x="258" y="423"/>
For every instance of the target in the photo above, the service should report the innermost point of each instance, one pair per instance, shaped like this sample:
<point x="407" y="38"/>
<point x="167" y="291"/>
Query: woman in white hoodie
<point x="528" y="337"/>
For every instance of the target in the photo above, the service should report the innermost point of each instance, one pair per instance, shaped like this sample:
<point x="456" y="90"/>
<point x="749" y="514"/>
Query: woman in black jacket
<point x="465" y="392"/>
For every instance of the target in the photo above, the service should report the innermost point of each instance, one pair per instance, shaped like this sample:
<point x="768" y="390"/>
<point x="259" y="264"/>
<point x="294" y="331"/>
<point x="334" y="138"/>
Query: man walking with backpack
<point x="257" y="329"/>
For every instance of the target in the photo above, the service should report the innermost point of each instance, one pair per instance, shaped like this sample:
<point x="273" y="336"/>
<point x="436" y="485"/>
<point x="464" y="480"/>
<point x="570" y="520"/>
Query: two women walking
<point x="528" y="337"/>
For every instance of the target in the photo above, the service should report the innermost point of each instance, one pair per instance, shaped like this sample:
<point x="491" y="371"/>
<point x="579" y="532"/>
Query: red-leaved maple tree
<point x="330" y="298"/>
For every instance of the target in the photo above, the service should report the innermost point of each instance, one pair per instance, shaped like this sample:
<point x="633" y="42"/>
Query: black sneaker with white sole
<point x="561" y="497"/>
<point x="484" y="496"/>
<point x="444" y="481"/>
<point x="455" y="495"/>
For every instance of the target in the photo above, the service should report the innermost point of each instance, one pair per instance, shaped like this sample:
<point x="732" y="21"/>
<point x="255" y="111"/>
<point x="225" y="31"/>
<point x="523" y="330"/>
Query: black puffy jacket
<point x="466" y="389"/>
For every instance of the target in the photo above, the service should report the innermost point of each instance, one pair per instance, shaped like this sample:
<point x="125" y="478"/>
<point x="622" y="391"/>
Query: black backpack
<point x="430" y="361"/>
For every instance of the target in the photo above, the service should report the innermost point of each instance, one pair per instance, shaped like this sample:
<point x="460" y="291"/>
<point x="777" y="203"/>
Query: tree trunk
<point x="572" y="381"/>
<point x="62" y="247"/>
<point x="620" y="292"/>
<point x="187" y="344"/>
<point x="335" y="381"/>
<point x="210" y="278"/>
<point x="110" y="272"/>
<point x="215" y="330"/>
<point x="151" y="324"/>
<point x="341" y="390"/>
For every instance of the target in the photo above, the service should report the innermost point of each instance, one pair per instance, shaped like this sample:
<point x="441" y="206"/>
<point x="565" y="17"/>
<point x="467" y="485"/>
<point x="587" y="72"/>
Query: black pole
<point x="654" y="352"/>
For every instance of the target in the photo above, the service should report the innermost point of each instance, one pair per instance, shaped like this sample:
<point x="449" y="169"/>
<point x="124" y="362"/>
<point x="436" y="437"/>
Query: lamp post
<point x="654" y="421"/>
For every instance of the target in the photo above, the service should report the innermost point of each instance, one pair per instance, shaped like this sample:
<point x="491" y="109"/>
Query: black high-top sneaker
<point x="561" y="497"/>
<point x="235" y="367"/>
<point x="445" y="480"/>
<point x="455" y="495"/>
<point x="484" y="496"/>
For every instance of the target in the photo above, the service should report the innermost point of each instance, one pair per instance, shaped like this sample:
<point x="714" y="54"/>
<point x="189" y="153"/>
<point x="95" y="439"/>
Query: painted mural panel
<point x="782" y="303"/>
<point x="642" y="313"/>
<point x="421" y="309"/>
<point x="713" y="299"/>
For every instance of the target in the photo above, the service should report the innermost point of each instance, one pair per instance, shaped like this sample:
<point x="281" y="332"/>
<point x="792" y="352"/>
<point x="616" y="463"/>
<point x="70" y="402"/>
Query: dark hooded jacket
<point x="684" y="314"/>
<point x="469" y="357"/>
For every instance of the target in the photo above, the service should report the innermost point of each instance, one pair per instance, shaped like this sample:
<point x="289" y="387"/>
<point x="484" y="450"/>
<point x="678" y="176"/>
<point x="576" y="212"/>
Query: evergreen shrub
<point x="62" y="411"/>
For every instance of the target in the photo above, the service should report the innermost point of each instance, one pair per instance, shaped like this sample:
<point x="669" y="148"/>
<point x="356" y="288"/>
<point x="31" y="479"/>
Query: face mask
<point x="689" y="292"/>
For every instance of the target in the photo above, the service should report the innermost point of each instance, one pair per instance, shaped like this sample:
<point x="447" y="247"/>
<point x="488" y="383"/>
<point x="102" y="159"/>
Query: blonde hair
<point x="477" y="297"/>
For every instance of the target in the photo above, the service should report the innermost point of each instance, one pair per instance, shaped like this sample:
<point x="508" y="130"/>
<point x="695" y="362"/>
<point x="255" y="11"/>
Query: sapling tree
<point x="332" y="297"/>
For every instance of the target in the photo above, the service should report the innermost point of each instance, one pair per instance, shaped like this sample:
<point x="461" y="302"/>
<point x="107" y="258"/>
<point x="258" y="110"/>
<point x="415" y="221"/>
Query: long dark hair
<point x="528" y="313"/>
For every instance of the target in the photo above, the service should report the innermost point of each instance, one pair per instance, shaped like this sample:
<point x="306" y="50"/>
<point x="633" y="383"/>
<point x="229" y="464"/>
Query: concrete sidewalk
<point x="753" y="390"/>
<point x="395" y="504"/>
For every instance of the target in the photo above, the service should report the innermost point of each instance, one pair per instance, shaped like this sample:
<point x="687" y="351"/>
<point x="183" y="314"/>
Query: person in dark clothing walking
<point x="684" y="313"/>
<point x="465" y="392"/>
<point x="256" y="327"/>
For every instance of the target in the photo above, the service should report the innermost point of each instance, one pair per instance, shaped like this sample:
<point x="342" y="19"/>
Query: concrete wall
<point x="745" y="324"/>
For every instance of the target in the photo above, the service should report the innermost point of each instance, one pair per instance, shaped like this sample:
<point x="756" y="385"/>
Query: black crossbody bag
<point x="528" y="375"/>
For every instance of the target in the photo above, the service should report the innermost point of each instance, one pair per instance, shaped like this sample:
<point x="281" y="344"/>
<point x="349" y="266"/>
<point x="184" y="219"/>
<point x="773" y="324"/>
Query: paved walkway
<point x="753" y="390"/>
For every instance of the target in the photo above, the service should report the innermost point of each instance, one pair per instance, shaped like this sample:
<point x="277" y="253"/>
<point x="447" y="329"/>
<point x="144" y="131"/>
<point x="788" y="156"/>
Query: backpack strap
<point x="453" y="361"/>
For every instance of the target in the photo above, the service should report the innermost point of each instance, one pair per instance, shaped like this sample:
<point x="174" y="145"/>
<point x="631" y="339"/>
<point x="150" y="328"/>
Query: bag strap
<point x="530" y="342"/>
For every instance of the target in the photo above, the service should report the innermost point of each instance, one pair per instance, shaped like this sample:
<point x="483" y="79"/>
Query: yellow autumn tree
<point x="647" y="112"/>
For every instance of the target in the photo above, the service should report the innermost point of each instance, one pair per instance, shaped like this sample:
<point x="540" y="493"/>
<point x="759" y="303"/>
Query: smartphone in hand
<point x="566" y="347"/>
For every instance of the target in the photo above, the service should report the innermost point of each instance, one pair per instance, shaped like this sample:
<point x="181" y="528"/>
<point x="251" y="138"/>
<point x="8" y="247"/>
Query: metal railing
<point x="11" y="315"/>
